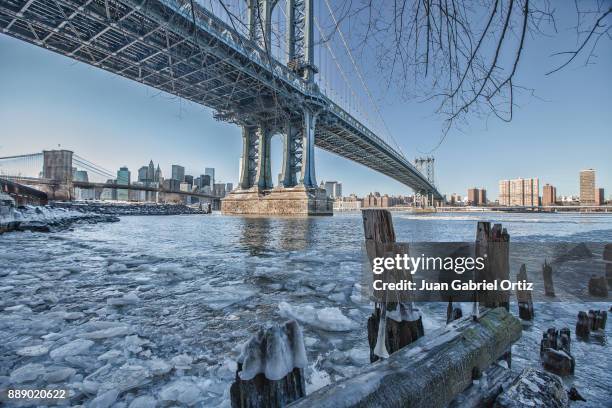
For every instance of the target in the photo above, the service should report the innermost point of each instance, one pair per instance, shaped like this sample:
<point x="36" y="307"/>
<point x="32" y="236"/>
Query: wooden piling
<point x="493" y="244"/>
<point x="549" y="287"/>
<point x="525" y="303"/>
<point x="270" y="349"/>
<point x="380" y="241"/>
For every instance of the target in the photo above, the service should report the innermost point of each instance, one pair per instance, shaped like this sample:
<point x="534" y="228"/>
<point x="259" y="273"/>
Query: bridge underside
<point x="190" y="53"/>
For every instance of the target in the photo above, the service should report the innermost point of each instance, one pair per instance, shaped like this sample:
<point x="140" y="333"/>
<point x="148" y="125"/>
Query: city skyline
<point x="114" y="121"/>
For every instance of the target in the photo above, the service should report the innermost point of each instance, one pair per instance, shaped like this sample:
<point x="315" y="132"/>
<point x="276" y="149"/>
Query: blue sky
<point x="48" y="100"/>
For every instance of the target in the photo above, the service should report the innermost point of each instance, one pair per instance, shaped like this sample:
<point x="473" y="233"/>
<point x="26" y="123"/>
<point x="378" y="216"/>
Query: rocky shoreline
<point x="48" y="219"/>
<point x="59" y="216"/>
<point x="131" y="208"/>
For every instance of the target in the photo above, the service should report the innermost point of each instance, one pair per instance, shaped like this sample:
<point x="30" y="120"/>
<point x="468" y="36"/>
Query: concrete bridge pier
<point x="256" y="194"/>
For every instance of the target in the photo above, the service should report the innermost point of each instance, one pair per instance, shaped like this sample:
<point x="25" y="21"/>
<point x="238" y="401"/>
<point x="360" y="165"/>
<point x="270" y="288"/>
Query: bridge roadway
<point x="193" y="54"/>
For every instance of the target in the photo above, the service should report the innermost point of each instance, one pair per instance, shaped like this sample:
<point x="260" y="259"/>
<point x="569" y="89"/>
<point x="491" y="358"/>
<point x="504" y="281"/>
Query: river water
<point x="157" y="307"/>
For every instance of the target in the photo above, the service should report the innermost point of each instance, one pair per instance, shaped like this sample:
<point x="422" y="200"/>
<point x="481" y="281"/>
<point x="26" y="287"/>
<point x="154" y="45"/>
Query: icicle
<point x="381" y="349"/>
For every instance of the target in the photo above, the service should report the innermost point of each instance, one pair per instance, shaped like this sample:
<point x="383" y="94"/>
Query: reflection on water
<point x="193" y="288"/>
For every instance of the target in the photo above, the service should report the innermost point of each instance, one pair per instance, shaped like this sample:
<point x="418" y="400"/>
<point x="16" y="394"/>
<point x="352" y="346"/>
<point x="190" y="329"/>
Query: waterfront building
<point x="184" y="186"/>
<point x="519" y="192"/>
<point x="477" y="196"/>
<point x="229" y="187"/>
<point x="587" y="187"/>
<point x="549" y="195"/>
<point x="350" y="203"/>
<point x="178" y="173"/>
<point x="600" y="198"/>
<point x="210" y="172"/>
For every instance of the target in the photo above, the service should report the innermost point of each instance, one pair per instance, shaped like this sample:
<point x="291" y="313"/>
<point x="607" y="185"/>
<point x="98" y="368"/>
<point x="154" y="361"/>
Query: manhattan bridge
<point x="253" y="62"/>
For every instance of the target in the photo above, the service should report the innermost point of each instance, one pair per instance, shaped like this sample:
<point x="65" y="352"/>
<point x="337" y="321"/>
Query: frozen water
<point x="104" y="399"/>
<point x="199" y="286"/>
<point x="27" y="373"/>
<point x="143" y="402"/>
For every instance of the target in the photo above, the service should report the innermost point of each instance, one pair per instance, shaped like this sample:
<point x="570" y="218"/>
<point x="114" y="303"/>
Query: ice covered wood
<point x="429" y="372"/>
<point x="402" y="324"/>
<point x="534" y="388"/>
<point x="271" y="368"/>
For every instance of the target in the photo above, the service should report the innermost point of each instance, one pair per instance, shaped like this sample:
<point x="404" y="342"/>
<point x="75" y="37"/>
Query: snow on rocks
<point x="328" y="318"/>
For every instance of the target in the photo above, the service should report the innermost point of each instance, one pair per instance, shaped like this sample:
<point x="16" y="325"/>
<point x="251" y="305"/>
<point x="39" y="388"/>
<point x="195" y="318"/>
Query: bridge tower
<point x="426" y="166"/>
<point x="57" y="167"/>
<point x="297" y="192"/>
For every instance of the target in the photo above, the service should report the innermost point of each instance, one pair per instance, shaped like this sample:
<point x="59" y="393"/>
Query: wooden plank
<point x="430" y="372"/>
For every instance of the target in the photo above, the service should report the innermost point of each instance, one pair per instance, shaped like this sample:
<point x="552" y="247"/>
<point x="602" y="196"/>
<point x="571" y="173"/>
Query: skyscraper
<point x="178" y="173"/>
<point x="123" y="178"/>
<point x="333" y="189"/>
<point x="587" y="187"/>
<point x="143" y="174"/>
<point x="209" y="171"/>
<point x="158" y="175"/>
<point x="151" y="172"/>
<point x="549" y="195"/>
<point x="477" y="196"/>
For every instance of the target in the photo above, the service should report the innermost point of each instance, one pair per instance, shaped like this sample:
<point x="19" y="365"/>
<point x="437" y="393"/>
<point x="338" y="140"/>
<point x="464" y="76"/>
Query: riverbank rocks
<point x="555" y="352"/>
<point x="49" y="219"/>
<point x="270" y="371"/>
<point x="598" y="286"/>
<point x="534" y="388"/>
<point x="133" y="208"/>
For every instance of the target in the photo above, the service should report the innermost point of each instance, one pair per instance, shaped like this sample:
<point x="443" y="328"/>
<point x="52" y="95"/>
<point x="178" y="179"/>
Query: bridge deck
<point x="194" y="55"/>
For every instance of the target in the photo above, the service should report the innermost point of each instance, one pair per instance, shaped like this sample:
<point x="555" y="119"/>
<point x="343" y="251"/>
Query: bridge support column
<point x="291" y="155"/>
<point x="308" y="178"/>
<point x="263" y="177"/>
<point x="250" y="157"/>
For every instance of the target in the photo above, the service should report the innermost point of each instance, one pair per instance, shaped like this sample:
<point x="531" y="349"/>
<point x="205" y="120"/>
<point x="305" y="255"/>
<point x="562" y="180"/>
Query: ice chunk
<point x="104" y="399"/>
<point x="106" y="333"/>
<point x="329" y="318"/>
<point x="252" y="357"/>
<point x="129" y="299"/>
<point x="27" y="373"/>
<point x="182" y="391"/>
<point x="279" y="358"/>
<point x="159" y="366"/>
<point x="143" y="402"/>
<point x="296" y="338"/>
<point x="182" y="362"/>
<point x="59" y="374"/>
<point x="33" y="351"/>
<point x="73" y="348"/>
<point x="110" y="355"/>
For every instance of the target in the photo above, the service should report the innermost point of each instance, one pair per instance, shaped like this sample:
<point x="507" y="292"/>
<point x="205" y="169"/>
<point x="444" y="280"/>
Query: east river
<point x="154" y="309"/>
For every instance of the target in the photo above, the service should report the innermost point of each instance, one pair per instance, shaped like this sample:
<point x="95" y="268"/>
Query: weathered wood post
<point x="607" y="257"/>
<point x="493" y="244"/>
<point x="549" y="287"/>
<point x="523" y="297"/>
<point x="555" y="351"/>
<point x="380" y="242"/>
<point x="270" y="370"/>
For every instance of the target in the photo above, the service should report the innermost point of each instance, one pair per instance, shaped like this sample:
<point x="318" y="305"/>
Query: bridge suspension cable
<point x="362" y="80"/>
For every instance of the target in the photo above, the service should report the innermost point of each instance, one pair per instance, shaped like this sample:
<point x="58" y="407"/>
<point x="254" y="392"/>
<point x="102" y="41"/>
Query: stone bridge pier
<point x="57" y="167"/>
<point x="297" y="192"/>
